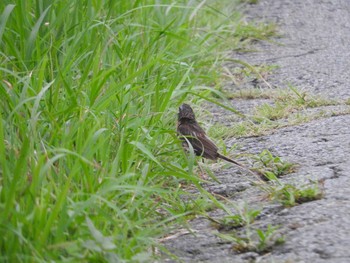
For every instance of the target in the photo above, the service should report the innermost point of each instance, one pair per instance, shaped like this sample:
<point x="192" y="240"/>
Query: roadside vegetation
<point x="279" y="107"/>
<point x="90" y="166"/>
<point x="239" y="228"/>
<point x="91" y="169"/>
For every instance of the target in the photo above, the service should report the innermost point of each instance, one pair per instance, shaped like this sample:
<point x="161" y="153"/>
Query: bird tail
<point x="229" y="160"/>
<point x="238" y="164"/>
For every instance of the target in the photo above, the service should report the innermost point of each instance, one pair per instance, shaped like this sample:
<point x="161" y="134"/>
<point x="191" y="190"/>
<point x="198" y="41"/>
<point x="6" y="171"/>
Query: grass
<point x="272" y="166"/>
<point x="250" y="238"/>
<point x="91" y="167"/>
<point x="289" y="195"/>
<point x="259" y="241"/>
<point x="285" y="107"/>
<point x="239" y="227"/>
<point x="249" y="1"/>
<point x="252" y="31"/>
<point x="244" y="216"/>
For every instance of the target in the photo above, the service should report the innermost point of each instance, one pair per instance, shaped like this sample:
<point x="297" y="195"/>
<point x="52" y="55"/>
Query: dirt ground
<point x="312" y="54"/>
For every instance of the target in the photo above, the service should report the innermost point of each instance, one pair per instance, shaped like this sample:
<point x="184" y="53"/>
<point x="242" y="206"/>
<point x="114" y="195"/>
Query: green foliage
<point x="255" y="31"/>
<point x="258" y="240"/>
<point x="246" y="237"/>
<point x="287" y="107"/>
<point x="249" y="1"/>
<point x="287" y="103"/>
<point x="300" y="98"/>
<point x="249" y="73"/>
<point x="221" y="131"/>
<point x="244" y="217"/>
<point x="268" y="238"/>
<point x="272" y="112"/>
<point x="272" y="166"/>
<point x="89" y="158"/>
<point x="289" y="195"/>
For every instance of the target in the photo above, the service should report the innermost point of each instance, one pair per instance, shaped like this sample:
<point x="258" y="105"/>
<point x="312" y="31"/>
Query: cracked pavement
<point x="314" y="56"/>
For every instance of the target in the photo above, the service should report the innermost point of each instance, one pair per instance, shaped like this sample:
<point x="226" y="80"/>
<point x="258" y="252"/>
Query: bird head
<point x="186" y="112"/>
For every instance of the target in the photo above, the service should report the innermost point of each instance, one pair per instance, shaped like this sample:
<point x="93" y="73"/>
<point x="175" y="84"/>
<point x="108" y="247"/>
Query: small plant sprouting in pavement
<point x="251" y="2"/>
<point x="189" y="206"/>
<point x="274" y="112"/>
<point x="255" y="31"/>
<point x="272" y="166"/>
<point x="284" y="107"/>
<point x="268" y="238"/>
<point x="237" y="228"/>
<point x="256" y="240"/>
<point x="244" y="217"/>
<point x="289" y="195"/>
<point x="248" y="73"/>
<point x="304" y="99"/>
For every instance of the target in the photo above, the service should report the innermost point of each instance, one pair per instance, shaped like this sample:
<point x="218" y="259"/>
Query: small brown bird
<point x="189" y="131"/>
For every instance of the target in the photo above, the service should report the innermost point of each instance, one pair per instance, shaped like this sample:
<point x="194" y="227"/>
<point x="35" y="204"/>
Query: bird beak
<point x="181" y="107"/>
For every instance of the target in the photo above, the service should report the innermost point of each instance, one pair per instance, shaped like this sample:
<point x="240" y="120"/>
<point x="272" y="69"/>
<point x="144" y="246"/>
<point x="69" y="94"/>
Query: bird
<point x="189" y="131"/>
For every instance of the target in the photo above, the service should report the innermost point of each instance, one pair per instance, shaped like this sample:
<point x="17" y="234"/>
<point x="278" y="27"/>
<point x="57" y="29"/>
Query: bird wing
<point x="201" y="144"/>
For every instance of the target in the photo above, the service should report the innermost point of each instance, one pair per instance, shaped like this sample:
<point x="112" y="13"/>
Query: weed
<point x="248" y="73"/>
<point x="272" y="166"/>
<point x="248" y="238"/>
<point x="255" y="31"/>
<point x="268" y="238"/>
<point x="289" y="195"/>
<point x="244" y="217"/>
<point x="190" y="207"/>
<point x="292" y="96"/>
<point x="219" y="130"/>
<point x="272" y="112"/>
<point x="249" y="94"/>
<point x="250" y="1"/>
<point x="258" y="240"/>
<point x="304" y="99"/>
<point x="286" y="108"/>
<point x="89" y="95"/>
<point x="288" y="103"/>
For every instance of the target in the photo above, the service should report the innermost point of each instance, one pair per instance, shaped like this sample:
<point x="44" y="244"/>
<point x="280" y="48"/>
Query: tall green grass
<point x="90" y="167"/>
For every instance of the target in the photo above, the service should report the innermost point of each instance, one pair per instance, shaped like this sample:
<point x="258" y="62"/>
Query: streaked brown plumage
<point x="189" y="131"/>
